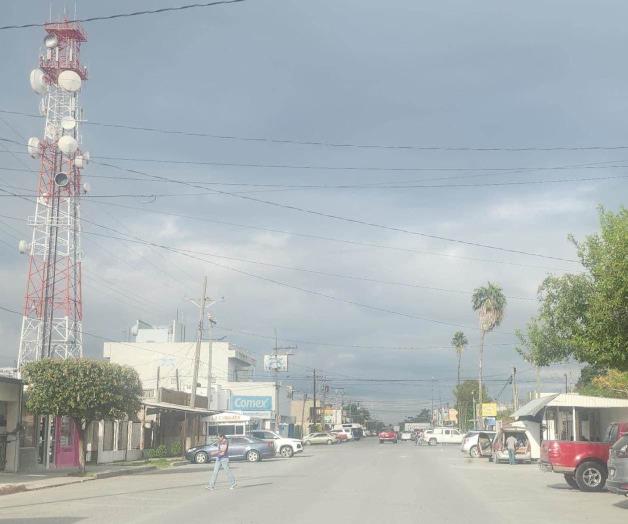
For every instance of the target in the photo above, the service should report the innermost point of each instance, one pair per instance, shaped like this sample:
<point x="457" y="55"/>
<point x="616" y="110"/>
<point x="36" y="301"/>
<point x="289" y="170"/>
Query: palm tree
<point x="459" y="341"/>
<point x="490" y="303"/>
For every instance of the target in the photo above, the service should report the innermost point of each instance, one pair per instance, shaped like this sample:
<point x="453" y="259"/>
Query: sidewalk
<point x="16" y="482"/>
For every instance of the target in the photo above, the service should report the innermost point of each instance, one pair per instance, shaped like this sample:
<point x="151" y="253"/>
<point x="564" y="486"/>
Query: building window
<point x="108" y="436"/>
<point x="28" y="437"/>
<point x="136" y="431"/>
<point x="123" y="434"/>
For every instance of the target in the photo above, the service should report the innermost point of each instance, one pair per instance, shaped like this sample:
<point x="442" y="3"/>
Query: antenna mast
<point x="53" y="308"/>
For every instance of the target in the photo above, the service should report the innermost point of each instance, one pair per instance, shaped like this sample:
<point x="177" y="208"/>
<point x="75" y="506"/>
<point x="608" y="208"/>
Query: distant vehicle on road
<point x="286" y="447"/>
<point x="319" y="438"/>
<point x="478" y="443"/>
<point x="240" y="448"/>
<point x="582" y="463"/>
<point x="436" y="436"/>
<point x="388" y="435"/>
<point x="345" y="431"/>
<point x="618" y="467"/>
<point x="340" y="434"/>
<point x="356" y="430"/>
<point x="405" y="435"/>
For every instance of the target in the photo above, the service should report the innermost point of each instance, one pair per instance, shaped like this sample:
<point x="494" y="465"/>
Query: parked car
<point x="436" y="436"/>
<point x="582" y="463"/>
<point x="240" y="448"/>
<point x="522" y="451"/>
<point x="618" y="467"/>
<point x="319" y="438"/>
<point x="405" y="435"/>
<point x="348" y="434"/>
<point x="478" y="443"/>
<point x="388" y="435"/>
<point x="340" y="435"/>
<point x="286" y="447"/>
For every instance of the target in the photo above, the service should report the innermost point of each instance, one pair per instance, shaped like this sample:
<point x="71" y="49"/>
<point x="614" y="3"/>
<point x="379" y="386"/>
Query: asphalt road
<point x="362" y="482"/>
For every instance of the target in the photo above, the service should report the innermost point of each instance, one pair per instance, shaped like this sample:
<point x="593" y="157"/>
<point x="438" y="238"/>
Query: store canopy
<point x="166" y="406"/>
<point x="533" y="408"/>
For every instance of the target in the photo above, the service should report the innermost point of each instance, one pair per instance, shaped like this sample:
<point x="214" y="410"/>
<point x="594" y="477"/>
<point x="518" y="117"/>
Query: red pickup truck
<point x="583" y="464"/>
<point x="388" y="435"/>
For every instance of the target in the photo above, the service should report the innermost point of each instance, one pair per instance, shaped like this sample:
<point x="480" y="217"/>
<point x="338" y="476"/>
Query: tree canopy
<point x="585" y="316"/>
<point x="82" y="389"/>
<point x="490" y="302"/>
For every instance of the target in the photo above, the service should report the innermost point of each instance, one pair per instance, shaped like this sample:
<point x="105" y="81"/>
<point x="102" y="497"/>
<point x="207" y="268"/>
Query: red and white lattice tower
<point x="53" y="311"/>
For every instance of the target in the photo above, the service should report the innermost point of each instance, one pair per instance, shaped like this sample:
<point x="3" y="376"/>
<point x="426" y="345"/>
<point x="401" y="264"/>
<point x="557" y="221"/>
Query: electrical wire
<point x="323" y="143"/>
<point x="126" y="15"/>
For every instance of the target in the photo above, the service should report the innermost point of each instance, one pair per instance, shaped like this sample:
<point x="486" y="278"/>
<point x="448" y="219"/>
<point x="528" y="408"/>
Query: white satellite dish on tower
<point x="86" y="187"/>
<point x="67" y="145"/>
<point x="22" y="246"/>
<point x="69" y="80"/>
<point x="68" y="123"/>
<point x="33" y="147"/>
<point x="82" y="160"/>
<point x="62" y="179"/>
<point x="51" y="41"/>
<point x="38" y="82"/>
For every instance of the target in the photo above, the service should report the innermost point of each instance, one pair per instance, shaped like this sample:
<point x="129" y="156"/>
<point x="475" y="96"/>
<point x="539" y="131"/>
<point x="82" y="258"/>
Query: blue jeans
<point x="511" y="457"/>
<point x="224" y="464"/>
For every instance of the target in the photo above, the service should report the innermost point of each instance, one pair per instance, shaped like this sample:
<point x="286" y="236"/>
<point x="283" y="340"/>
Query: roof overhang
<point x="534" y="408"/>
<point x="161" y="407"/>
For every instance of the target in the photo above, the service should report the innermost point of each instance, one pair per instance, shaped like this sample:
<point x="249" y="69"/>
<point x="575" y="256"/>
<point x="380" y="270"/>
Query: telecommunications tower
<point x="53" y="311"/>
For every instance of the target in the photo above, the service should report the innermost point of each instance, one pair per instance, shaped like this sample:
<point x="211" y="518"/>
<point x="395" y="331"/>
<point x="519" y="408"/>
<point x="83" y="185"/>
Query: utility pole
<point x="303" y="415"/>
<point x="515" y="393"/>
<point x="314" y="393"/>
<point x="566" y="384"/>
<point x="276" y="370"/>
<point x="210" y="324"/>
<point x="199" y="338"/>
<point x="432" y="412"/>
<point x="474" y="413"/>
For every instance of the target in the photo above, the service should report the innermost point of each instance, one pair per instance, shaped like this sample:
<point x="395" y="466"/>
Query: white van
<point x="355" y="431"/>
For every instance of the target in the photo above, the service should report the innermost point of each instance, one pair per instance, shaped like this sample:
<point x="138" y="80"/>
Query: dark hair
<point x="222" y="435"/>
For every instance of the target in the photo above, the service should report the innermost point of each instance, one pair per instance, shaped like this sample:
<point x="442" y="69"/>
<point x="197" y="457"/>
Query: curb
<point x="9" y="489"/>
<point x="123" y="472"/>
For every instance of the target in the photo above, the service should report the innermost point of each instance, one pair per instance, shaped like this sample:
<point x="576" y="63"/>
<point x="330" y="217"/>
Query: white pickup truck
<point x="286" y="447"/>
<point x="436" y="436"/>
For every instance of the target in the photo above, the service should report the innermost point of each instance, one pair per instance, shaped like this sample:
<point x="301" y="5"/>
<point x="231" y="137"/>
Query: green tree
<point x="423" y="416"/>
<point x="585" y="315"/>
<point x="490" y="303"/>
<point x="467" y="394"/>
<point x="85" y="390"/>
<point x="459" y="341"/>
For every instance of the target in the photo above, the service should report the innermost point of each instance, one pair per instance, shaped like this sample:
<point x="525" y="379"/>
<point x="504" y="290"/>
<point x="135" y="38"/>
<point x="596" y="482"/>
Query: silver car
<point x="618" y="467"/>
<point x="319" y="438"/>
<point x="478" y="443"/>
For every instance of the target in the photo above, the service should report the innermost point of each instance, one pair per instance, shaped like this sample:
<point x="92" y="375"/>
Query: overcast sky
<point x="446" y="73"/>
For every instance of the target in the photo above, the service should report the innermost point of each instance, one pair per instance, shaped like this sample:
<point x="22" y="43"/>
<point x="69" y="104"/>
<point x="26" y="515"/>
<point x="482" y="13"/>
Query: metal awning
<point x="166" y="406"/>
<point x="533" y="408"/>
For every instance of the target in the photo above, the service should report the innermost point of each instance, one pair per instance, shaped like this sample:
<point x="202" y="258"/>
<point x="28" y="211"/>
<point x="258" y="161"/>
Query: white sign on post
<point x="275" y="362"/>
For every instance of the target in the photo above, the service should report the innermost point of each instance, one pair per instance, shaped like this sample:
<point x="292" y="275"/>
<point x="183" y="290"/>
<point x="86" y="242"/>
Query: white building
<point x="163" y="360"/>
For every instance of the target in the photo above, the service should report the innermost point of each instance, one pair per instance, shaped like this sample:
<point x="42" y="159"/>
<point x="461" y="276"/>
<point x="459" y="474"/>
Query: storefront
<point x="10" y="421"/>
<point x="227" y="423"/>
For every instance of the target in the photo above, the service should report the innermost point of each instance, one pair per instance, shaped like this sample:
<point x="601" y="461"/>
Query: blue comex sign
<point x="242" y="403"/>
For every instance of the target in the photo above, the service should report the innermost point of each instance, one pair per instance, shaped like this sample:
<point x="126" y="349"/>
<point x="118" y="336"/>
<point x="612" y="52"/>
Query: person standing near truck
<point x="511" y="446"/>
<point x="222" y="461"/>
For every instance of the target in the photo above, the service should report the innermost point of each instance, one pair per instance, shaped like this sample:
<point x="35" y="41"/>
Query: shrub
<point x="158" y="452"/>
<point x="176" y="449"/>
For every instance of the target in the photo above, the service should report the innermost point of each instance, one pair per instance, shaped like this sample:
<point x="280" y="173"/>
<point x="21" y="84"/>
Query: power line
<point x="361" y="222"/>
<point x="324" y="143"/>
<point x="127" y="15"/>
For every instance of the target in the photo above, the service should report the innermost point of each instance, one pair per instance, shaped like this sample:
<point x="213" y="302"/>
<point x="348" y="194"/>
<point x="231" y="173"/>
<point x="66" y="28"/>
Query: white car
<point x="286" y="447"/>
<point x="442" y="436"/>
<point x="406" y="435"/>
<point x="478" y="443"/>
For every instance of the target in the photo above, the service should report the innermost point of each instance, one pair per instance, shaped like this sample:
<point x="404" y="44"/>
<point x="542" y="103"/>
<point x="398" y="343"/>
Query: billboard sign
<point x="250" y="404"/>
<point x="489" y="409"/>
<point x="275" y="362"/>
